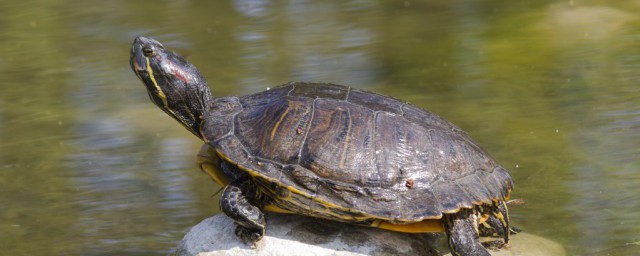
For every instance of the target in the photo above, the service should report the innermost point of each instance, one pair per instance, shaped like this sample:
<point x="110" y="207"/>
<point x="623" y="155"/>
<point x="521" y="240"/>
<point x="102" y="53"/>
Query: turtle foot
<point x="249" y="236"/>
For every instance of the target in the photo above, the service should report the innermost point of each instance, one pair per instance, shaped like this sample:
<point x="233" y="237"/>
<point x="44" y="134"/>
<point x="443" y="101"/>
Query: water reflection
<point x="117" y="195"/>
<point x="605" y="182"/>
<point x="88" y="165"/>
<point x="309" y="44"/>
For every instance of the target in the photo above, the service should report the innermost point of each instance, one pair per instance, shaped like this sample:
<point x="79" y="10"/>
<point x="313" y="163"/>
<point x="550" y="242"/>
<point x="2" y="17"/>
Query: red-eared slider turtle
<point x="331" y="152"/>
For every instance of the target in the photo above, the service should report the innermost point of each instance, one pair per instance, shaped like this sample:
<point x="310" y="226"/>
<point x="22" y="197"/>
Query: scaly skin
<point x="249" y="219"/>
<point x="461" y="229"/>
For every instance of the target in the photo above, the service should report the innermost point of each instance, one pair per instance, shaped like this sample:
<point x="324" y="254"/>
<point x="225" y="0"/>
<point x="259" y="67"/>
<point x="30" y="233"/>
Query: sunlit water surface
<point x="89" y="166"/>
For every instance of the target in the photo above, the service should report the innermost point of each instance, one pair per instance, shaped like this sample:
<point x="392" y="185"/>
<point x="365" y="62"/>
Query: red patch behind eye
<point x="180" y="75"/>
<point x="178" y="72"/>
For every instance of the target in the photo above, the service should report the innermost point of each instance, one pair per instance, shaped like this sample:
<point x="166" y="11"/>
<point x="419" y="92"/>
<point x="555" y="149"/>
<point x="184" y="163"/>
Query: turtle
<point x="331" y="152"/>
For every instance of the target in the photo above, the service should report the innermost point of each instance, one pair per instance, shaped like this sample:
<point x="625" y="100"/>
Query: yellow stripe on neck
<point x="153" y="79"/>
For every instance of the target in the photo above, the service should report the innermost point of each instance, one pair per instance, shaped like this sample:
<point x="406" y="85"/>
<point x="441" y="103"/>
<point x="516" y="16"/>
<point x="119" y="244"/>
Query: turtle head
<point x="174" y="85"/>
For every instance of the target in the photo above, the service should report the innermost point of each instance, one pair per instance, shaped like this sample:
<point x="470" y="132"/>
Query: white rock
<point x="299" y="235"/>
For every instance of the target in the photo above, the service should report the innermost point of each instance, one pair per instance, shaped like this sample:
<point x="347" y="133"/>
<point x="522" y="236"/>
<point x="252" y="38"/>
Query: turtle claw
<point x="249" y="236"/>
<point x="496" y="245"/>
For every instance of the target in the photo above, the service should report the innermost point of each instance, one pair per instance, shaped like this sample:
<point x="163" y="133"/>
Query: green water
<point x="89" y="166"/>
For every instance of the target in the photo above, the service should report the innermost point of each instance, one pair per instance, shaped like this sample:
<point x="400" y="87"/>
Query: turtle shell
<point x="336" y="152"/>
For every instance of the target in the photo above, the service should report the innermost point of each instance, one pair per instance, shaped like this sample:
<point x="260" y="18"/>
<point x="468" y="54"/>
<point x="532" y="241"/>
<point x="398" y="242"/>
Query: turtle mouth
<point x="137" y="62"/>
<point x="136" y="65"/>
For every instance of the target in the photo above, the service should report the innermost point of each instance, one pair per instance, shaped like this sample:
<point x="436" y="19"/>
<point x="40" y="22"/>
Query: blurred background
<point x="88" y="165"/>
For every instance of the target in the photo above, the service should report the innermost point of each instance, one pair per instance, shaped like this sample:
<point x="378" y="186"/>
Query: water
<point x="89" y="166"/>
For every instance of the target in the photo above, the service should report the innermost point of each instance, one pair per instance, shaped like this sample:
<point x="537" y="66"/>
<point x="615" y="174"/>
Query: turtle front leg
<point x="462" y="231"/>
<point x="250" y="222"/>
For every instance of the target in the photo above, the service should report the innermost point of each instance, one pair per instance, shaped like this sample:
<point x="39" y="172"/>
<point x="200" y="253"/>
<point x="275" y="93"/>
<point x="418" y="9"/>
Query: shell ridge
<point x="346" y="97"/>
<point x="293" y="87"/>
<point x="476" y="197"/>
<point x="402" y="108"/>
<point x="221" y="138"/>
<point x="375" y="146"/>
<point x="467" y="201"/>
<point x="490" y="192"/>
<point x="428" y="212"/>
<point x="505" y="187"/>
<point x="306" y="132"/>
<point x="488" y="197"/>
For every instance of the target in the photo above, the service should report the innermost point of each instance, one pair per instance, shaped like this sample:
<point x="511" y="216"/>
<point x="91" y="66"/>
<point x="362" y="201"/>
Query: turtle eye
<point x="148" y="51"/>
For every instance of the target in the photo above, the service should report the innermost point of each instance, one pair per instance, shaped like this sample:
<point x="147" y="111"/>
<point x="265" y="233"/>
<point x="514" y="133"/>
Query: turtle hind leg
<point x="493" y="227"/>
<point x="250" y="222"/>
<point x="462" y="233"/>
<point x="498" y="223"/>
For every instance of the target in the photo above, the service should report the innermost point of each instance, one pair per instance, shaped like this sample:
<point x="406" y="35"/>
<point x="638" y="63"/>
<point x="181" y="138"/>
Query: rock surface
<point x="299" y="235"/>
